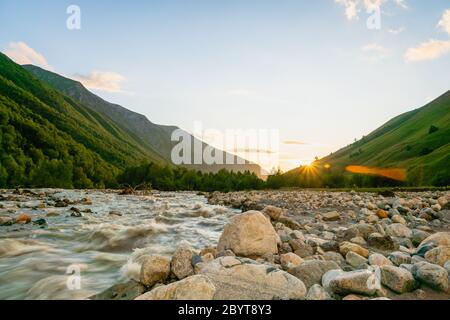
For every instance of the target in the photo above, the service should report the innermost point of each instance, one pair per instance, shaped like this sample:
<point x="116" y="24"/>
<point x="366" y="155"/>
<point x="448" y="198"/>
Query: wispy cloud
<point x="103" y="81"/>
<point x="444" y="23"/>
<point x="294" y="142"/>
<point x="432" y="49"/>
<point x="402" y="3"/>
<point x="396" y="31"/>
<point x="374" y="52"/>
<point x="352" y="8"/>
<point x="22" y="53"/>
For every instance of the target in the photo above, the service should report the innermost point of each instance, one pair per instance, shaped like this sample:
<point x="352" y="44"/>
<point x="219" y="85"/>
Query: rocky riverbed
<point x="285" y="245"/>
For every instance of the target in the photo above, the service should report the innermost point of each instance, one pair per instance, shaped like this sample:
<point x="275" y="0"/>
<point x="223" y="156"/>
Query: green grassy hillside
<point x="417" y="141"/>
<point x="49" y="139"/>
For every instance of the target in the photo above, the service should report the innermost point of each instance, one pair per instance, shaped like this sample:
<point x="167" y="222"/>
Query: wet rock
<point x="154" y="269"/>
<point x="40" y="222"/>
<point x="397" y="279"/>
<point x="360" y="282"/>
<point x="52" y="214"/>
<point x="122" y="291"/>
<point x="382" y="242"/>
<point x="23" y="218"/>
<point x="196" y="287"/>
<point x="76" y="214"/>
<point x="290" y="260"/>
<point x="181" y="264"/>
<point x="345" y="247"/>
<point x="354" y="259"/>
<point x="439" y="255"/>
<point x="62" y="203"/>
<point x="6" y="221"/>
<point x="377" y="259"/>
<point x="317" y="292"/>
<point x="247" y="280"/>
<point x="310" y="272"/>
<point x="431" y="274"/>
<point x="249" y="234"/>
<point x="398" y="230"/>
<point x="331" y="216"/>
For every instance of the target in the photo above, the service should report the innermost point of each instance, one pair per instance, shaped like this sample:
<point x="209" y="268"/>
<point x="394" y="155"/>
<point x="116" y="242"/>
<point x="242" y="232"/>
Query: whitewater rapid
<point x="105" y="245"/>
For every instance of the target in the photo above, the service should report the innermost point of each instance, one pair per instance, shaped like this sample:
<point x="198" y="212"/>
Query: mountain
<point x="417" y="141"/>
<point x="151" y="136"/>
<point x="44" y="131"/>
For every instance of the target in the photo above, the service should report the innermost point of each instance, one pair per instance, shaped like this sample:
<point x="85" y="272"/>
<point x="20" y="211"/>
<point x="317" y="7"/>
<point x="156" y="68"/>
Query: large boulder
<point x="181" y="264"/>
<point x="244" y="279"/>
<point x="196" y="287"/>
<point x="364" y="282"/>
<point x="397" y="279"/>
<point x="310" y="272"/>
<point x="435" y="240"/>
<point x="439" y="255"/>
<point x="431" y="274"/>
<point x="154" y="269"/>
<point x="249" y="234"/>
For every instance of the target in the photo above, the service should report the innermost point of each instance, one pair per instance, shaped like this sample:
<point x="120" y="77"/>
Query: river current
<point x="71" y="257"/>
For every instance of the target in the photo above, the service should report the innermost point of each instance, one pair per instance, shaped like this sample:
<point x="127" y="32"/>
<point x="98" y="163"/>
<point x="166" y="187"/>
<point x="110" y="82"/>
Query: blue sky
<point x="311" y="69"/>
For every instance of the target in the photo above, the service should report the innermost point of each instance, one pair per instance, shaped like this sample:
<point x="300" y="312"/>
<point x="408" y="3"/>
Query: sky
<point x="320" y="73"/>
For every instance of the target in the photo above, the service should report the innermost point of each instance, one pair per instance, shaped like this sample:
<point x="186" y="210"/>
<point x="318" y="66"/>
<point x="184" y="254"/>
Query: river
<point x="104" y="246"/>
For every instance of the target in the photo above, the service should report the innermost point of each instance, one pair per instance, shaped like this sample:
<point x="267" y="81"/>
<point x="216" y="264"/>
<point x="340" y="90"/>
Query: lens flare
<point x="391" y="173"/>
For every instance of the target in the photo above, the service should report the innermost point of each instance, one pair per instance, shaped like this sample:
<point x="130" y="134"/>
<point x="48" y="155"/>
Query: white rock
<point x="196" y="287"/>
<point x="252" y="281"/>
<point x="249" y="234"/>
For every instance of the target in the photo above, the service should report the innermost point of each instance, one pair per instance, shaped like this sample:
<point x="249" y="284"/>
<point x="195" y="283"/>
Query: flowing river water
<point x="105" y="245"/>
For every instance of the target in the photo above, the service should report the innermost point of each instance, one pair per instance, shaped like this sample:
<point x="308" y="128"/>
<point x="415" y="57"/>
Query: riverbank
<point x="286" y="245"/>
<point x="314" y="246"/>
